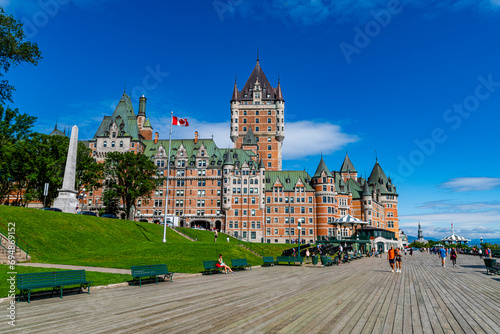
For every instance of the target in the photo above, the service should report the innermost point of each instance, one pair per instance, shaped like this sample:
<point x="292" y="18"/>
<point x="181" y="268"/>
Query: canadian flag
<point x="179" y="121"/>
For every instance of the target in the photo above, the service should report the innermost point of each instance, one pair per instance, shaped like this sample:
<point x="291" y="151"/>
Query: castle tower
<point x="260" y="107"/>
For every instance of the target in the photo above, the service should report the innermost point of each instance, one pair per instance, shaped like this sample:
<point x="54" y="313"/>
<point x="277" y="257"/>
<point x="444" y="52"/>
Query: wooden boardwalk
<point x="360" y="297"/>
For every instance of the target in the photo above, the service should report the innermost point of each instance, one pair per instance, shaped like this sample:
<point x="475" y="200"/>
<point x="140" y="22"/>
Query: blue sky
<point x="417" y="82"/>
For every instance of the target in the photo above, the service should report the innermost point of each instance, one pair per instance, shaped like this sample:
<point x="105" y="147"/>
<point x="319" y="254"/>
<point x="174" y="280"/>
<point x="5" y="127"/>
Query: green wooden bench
<point x="151" y="271"/>
<point x="211" y="266"/>
<point x="491" y="266"/>
<point x="268" y="261"/>
<point x="54" y="279"/>
<point x="326" y="261"/>
<point x="240" y="263"/>
<point x="289" y="259"/>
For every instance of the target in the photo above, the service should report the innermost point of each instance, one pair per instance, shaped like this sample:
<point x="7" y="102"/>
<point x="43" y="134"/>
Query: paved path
<point x="360" y="297"/>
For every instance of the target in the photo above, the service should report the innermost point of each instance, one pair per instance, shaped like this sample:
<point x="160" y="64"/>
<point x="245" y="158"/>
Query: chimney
<point x="142" y="106"/>
<point x="156" y="137"/>
<point x="196" y="137"/>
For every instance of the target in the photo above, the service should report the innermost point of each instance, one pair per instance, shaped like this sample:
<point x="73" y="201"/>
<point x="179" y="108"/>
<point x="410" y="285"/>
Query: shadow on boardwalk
<point x="360" y="297"/>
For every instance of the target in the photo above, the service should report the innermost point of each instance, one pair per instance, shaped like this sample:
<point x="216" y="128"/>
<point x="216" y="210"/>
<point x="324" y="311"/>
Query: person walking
<point x="442" y="253"/>
<point x="453" y="257"/>
<point x="480" y="252"/>
<point x="307" y="254"/>
<point x="215" y="235"/>
<point x="399" y="259"/>
<point x="390" y="256"/>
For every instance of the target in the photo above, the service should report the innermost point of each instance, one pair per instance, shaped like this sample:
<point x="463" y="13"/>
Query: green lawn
<point x="62" y="238"/>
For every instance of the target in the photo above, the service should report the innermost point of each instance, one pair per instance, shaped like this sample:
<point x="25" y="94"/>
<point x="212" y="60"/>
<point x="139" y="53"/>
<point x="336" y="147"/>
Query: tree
<point x="130" y="176"/>
<point x="14" y="50"/>
<point x="89" y="174"/>
<point x="46" y="162"/>
<point x="15" y="128"/>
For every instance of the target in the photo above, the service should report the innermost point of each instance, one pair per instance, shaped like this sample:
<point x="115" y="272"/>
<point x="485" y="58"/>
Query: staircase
<point x="185" y="236"/>
<point x="19" y="254"/>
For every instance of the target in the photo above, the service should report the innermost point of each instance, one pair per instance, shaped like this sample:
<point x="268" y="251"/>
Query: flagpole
<point x="168" y="174"/>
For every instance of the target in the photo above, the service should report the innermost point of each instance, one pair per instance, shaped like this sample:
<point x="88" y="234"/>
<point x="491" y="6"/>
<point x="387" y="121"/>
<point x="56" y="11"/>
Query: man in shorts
<point x="442" y="254"/>
<point x="390" y="257"/>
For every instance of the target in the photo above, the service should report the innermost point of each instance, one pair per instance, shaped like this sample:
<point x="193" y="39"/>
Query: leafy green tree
<point x="89" y="174"/>
<point x="46" y="160"/>
<point x="130" y="176"/>
<point x="14" y="50"/>
<point x="111" y="202"/>
<point x="14" y="129"/>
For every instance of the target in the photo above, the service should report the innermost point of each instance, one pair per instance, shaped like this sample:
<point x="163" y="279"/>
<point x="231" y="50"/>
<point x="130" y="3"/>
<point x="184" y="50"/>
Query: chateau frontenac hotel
<point x="243" y="190"/>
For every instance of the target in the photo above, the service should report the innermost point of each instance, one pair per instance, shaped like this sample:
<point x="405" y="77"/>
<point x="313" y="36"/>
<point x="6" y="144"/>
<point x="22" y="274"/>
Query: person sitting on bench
<point x="220" y="264"/>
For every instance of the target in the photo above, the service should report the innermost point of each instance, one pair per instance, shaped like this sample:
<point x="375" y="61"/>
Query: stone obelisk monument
<point x="66" y="200"/>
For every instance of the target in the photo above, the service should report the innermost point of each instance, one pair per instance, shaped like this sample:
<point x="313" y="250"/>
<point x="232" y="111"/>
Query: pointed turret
<point x="347" y="166"/>
<point x="366" y="190"/>
<point x="57" y="132"/>
<point x="249" y="138"/>
<point x="228" y="159"/>
<point x="322" y="168"/>
<point x="279" y="94"/>
<point x="234" y="98"/>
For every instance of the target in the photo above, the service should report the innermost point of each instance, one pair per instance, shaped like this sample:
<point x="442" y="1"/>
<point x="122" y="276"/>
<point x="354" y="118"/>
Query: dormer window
<point x="114" y="134"/>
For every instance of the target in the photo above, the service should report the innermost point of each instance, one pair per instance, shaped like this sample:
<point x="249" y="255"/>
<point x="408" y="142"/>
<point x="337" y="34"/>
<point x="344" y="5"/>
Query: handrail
<point x="26" y="251"/>
<point x="17" y="237"/>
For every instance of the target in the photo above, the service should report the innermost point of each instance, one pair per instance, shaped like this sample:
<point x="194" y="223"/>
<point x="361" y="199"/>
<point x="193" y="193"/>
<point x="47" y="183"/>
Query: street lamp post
<point x="299" y="228"/>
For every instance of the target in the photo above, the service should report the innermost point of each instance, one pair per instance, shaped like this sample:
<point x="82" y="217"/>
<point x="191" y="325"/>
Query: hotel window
<point x="121" y="143"/>
<point x="269" y="156"/>
<point x="257" y="120"/>
<point x="257" y="129"/>
<point x="105" y="144"/>
<point x="268" y="128"/>
<point x="133" y="144"/>
<point x="269" y="139"/>
<point x="112" y="144"/>
<point x="244" y="120"/>
<point x="269" y="112"/>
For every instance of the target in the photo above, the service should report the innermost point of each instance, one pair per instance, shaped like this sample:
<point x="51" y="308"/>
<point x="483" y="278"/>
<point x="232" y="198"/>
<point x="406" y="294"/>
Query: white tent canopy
<point x="348" y="220"/>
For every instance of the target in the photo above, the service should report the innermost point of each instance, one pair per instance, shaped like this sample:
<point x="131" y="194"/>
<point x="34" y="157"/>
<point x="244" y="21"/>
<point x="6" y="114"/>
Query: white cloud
<point x="307" y="138"/>
<point x="471" y="220"/>
<point x="312" y="12"/>
<point x="218" y="131"/>
<point x="472" y="183"/>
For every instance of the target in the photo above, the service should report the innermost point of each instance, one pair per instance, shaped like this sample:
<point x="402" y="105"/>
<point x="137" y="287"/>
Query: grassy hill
<point x="63" y="238"/>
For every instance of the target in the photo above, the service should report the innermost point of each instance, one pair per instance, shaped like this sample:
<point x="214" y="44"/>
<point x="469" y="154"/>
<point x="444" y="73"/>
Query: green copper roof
<point x="57" y="132"/>
<point x="249" y="138"/>
<point x="347" y="166"/>
<point x="366" y="189"/>
<point x="147" y="124"/>
<point x="125" y="119"/>
<point x="288" y="179"/>
<point x="379" y="180"/>
<point x="322" y="167"/>
<point x="355" y="188"/>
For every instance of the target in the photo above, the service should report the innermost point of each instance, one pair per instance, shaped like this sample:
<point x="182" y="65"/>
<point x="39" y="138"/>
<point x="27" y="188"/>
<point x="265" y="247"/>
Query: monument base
<point x="66" y="200"/>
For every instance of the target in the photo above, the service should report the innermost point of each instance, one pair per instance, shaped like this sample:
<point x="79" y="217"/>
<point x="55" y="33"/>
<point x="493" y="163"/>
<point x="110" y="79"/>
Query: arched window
<point x="105" y="144"/>
<point x="121" y="143"/>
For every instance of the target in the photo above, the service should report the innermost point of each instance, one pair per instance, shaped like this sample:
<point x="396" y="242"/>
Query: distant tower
<point x="260" y="107"/>
<point x="420" y="235"/>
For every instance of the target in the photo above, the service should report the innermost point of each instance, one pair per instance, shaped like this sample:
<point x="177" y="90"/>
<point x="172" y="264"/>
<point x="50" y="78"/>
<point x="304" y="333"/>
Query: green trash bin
<point x="315" y="259"/>
<point x="490" y="262"/>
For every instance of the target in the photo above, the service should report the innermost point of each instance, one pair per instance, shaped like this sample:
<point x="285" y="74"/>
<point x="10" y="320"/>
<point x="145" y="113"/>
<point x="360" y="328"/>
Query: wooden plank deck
<point x="360" y="297"/>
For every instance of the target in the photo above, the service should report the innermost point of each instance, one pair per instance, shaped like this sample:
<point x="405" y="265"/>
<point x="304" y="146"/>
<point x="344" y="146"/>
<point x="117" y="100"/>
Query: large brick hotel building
<point x="243" y="190"/>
